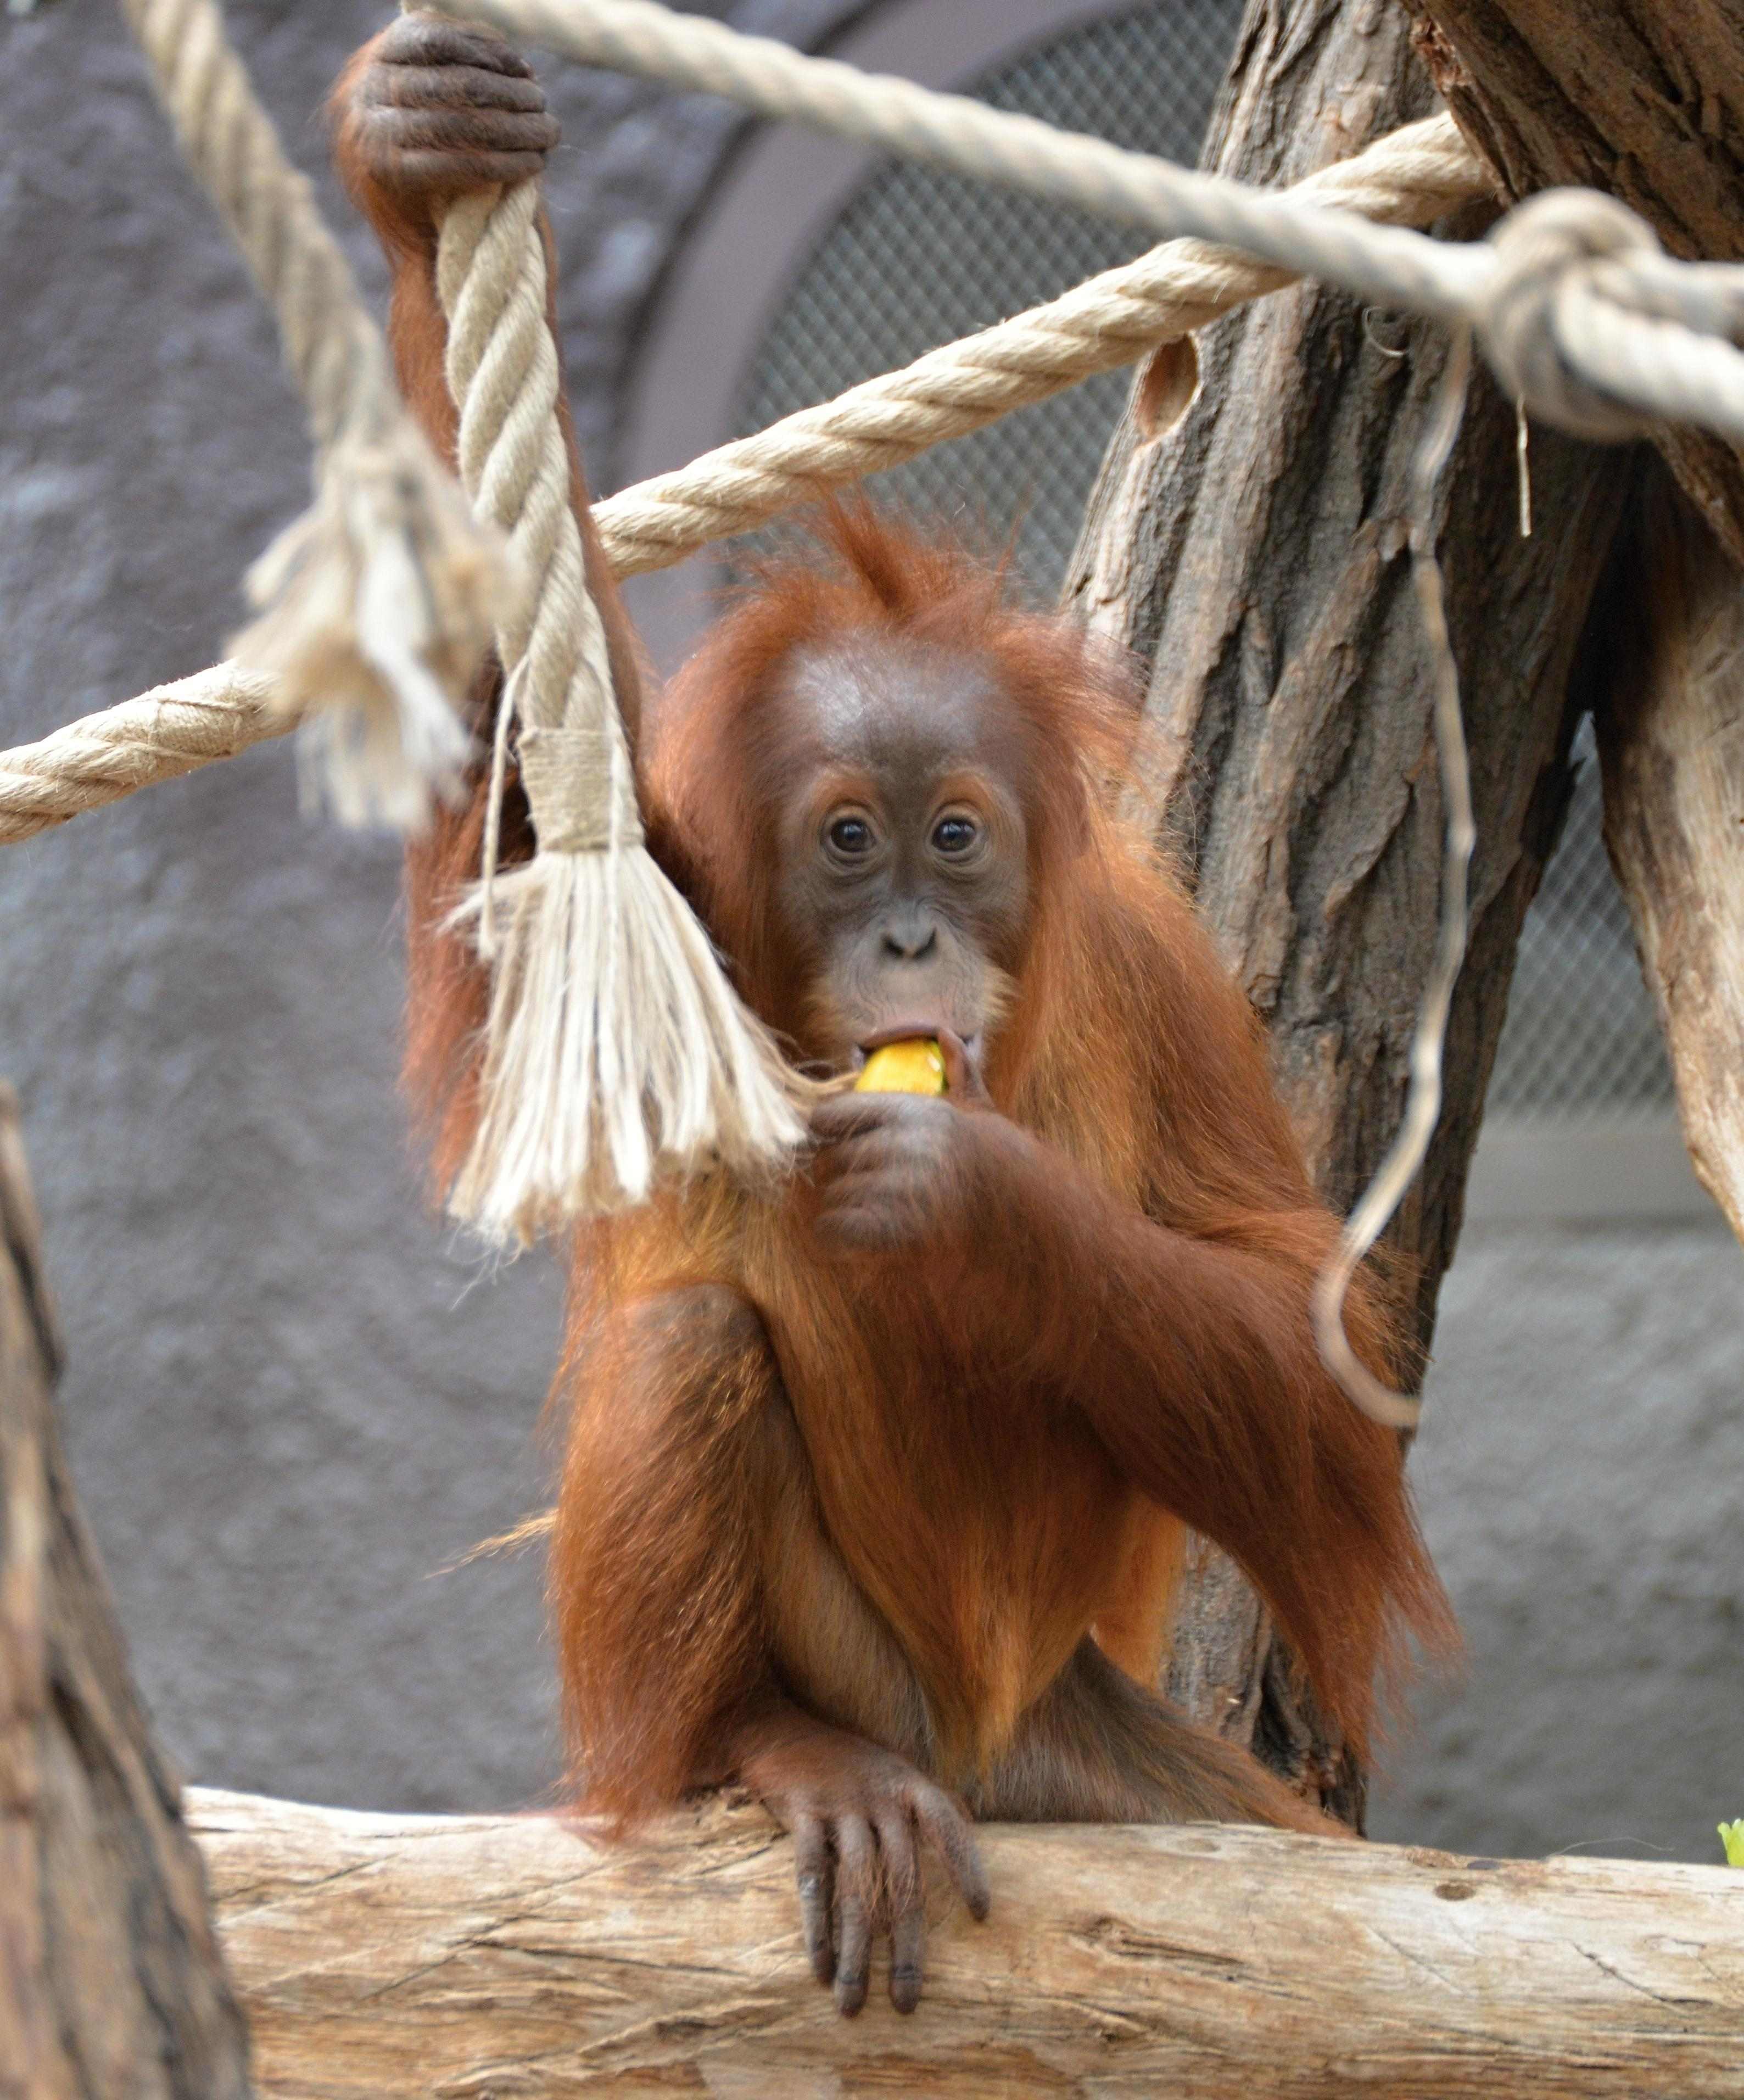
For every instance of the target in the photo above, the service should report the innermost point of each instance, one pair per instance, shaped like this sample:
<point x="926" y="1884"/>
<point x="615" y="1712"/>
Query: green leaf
<point x="1732" y="1836"/>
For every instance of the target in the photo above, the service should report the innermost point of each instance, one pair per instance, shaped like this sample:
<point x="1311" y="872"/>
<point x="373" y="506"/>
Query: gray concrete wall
<point x="292" y="1400"/>
<point x="1581" y="1473"/>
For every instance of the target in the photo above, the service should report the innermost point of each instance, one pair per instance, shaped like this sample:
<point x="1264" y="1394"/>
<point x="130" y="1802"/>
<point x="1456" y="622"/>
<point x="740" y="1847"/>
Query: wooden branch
<point x="1249" y="543"/>
<point x="467" y="1957"/>
<point x="111" y="1983"/>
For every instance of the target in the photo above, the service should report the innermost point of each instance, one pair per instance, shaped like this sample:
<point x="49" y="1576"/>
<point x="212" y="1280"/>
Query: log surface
<point x="410" y="1955"/>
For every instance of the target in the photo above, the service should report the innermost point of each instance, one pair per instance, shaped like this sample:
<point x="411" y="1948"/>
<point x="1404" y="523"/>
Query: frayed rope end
<point x="379" y="606"/>
<point x="619" y="1055"/>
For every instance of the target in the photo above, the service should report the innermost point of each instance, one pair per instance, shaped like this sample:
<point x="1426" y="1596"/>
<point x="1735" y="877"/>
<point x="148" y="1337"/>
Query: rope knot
<point x="1557" y="252"/>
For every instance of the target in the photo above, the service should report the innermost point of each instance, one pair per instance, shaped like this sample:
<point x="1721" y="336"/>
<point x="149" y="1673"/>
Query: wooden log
<point x="506" y="1957"/>
<point x="1248" y="542"/>
<point x="1648" y="104"/>
<point x="111" y="1987"/>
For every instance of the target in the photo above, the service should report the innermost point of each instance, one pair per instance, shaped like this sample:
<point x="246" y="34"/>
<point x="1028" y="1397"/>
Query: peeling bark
<point x="1671" y="745"/>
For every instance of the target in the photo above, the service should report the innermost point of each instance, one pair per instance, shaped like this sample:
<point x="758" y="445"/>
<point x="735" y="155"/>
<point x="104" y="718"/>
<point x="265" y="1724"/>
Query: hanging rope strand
<point x="1423" y="1102"/>
<point x="1414" y="175"/>
<point x="375" y="604"/>
<point x="615" y="1051"/>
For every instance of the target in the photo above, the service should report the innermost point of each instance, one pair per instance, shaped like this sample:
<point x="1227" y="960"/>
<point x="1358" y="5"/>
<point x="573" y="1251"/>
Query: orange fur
<point x="1129" y="1051"/>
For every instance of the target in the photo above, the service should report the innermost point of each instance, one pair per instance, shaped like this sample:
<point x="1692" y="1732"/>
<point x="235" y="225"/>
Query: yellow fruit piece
<point x="917" y="1067"/>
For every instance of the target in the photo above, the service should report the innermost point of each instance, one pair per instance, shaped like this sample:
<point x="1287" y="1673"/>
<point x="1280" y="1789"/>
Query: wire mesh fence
<point x="919" y="258"/>
<point x="1580" y="1037"/>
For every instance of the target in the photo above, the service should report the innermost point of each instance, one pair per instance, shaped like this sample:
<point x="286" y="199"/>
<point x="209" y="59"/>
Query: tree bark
<point x="1648" y="103"/>
<point x="467" y="1957"/>
<point x="1253" y="549"/>
<point x="1632" y="97"/>
<point x="111" y="1987"/>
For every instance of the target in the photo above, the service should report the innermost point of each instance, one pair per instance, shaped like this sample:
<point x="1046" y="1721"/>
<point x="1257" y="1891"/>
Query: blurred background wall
<point x="294" y="1399"/>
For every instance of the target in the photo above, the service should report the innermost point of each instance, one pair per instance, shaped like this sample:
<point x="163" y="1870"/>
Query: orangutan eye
<point x="956" y="835"/>
<point x="849" y="837"/>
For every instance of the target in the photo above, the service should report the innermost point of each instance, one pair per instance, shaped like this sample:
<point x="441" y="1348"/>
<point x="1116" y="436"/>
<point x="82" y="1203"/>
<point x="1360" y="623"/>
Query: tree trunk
<point x="404" y="1954"/>
<point x="1253" y="549"/>
<point x="1632" y="97"/>
<point x="1647" y="102"/>
<point x="111" y="1983"/>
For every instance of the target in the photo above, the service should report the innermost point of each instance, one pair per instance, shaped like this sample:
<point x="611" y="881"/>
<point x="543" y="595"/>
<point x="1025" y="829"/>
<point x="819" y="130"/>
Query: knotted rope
<point x="1411" y="176"/>
<point x="616" y="1049"/>
<point x="376" y="604"/>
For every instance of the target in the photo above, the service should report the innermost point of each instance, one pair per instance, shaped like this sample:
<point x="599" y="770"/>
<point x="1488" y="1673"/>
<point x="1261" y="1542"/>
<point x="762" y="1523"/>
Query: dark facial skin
<point x="903" y="875"/>
<point x="903" y="850"/>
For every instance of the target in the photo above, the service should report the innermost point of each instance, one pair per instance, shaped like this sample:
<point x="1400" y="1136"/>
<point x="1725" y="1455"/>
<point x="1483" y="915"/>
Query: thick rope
<point x="1413" y="175"/>
<point x="615" y="1051"/>
<point x="376" y="604"/>
<point x="1582" y="317"/>
<point x="502" y="371"/>
<point x="170" y="730"/>
<point x="1409" y="178"/>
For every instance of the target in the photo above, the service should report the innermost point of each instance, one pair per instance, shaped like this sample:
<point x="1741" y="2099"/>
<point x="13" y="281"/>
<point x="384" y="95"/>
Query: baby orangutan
<point x="877" y="1477"/>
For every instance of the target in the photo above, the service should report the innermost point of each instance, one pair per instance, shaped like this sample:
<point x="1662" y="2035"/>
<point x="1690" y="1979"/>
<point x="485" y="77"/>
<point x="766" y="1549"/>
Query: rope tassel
<point x="616" y="1050"/>
<point x="373" y="608"/>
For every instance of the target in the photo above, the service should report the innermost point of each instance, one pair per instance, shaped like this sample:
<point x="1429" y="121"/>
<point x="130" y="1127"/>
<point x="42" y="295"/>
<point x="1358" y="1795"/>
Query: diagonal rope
<point x="1413" y="175"/>
<point x="168" y="731"/>
<point x="1583" y="317"/>
<point x="375" y="604"/>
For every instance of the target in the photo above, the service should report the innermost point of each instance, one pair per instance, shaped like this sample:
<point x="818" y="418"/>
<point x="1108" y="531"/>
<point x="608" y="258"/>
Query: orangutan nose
<point x="910" y="940"/>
